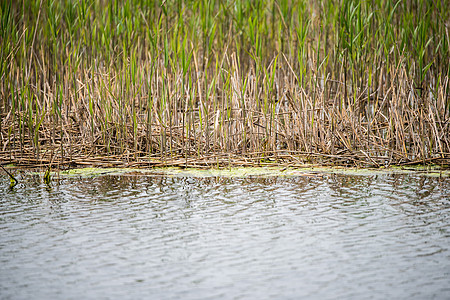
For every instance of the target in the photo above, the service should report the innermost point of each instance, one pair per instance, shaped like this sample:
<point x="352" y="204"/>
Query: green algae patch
<point x="229" y="172"/>
<point x="244" y="172"/>
<point x="174" y="171"/>
<point x="92" y="172"/>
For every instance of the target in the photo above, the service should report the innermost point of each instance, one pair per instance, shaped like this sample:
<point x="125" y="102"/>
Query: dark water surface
<point x="127" y="237"/>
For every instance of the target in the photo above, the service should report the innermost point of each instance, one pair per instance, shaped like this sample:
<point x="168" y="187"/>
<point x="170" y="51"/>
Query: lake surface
<point x="156" y="237"/>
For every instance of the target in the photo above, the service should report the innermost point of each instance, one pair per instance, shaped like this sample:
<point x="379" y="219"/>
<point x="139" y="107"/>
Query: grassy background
<point x="217" y="82"/>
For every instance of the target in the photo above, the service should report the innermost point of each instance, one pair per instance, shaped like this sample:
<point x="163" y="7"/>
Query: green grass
<point x="351" y="82"/>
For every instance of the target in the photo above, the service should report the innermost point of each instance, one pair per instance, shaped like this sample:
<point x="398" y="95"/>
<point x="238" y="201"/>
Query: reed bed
<point x="222" y="83"/>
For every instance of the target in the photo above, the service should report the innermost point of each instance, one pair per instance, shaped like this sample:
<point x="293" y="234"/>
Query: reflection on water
<point x="326" y="237"/>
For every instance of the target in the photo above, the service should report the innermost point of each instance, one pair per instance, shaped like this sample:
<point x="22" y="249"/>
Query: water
<point x="129" y="237"/>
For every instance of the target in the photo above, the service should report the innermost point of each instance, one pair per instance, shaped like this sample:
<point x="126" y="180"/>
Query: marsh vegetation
<point x="214" y="83"/>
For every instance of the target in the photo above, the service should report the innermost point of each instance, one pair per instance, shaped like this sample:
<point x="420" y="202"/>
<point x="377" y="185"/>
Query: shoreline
<point x="220" y="161"/>
<point x="268" y="170"/>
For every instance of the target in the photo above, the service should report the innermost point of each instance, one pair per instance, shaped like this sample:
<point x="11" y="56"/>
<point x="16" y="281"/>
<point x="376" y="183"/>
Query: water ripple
<point x="330" y="237"/>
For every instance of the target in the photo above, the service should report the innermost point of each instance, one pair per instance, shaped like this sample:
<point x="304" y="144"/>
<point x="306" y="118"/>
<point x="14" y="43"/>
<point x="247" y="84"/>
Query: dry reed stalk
<point x="195" y="88"/>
